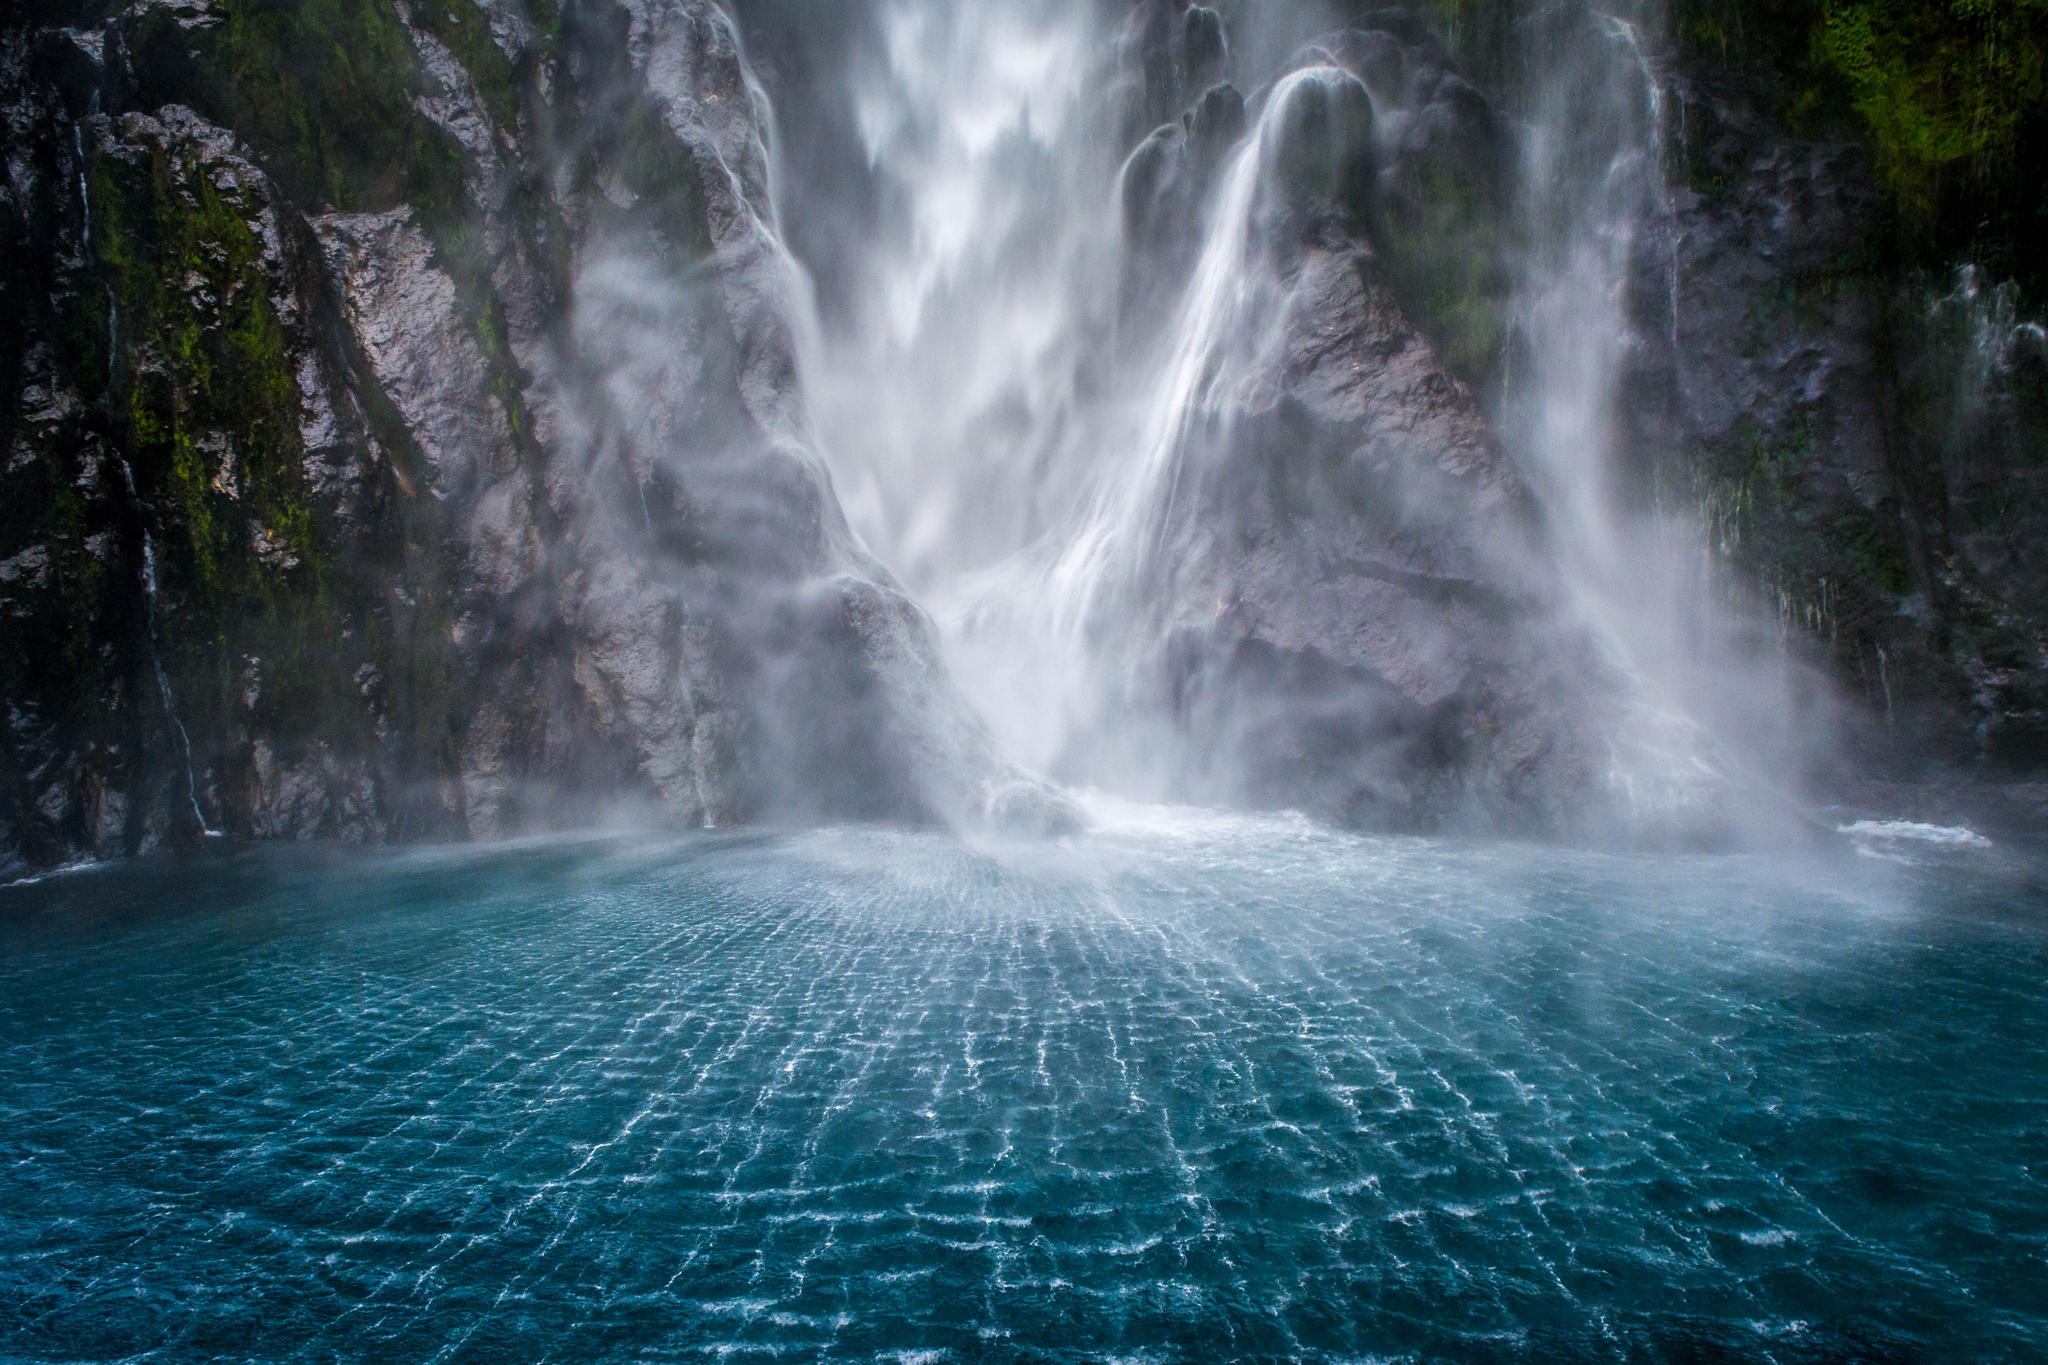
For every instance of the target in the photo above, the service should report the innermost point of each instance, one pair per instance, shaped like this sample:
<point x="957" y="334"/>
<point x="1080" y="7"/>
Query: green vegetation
<point x="1480" y="35"/>
<point x="461" y="27"/>
<point x="1951" y="97"/>
<point x="270" y="599"/>
<point x="1828" y="571"/>
<point x="1948" y="92"/>
<point x="203" y="404"/>
<point x="324" y="93"/>
<point x="183" y="334"/>
<point x="60" y="589"/>
<point x="1444" y="263"/>
<point x="184" y="269"/>
<point x="323" y="90"/>
<point x="668" y="194"/>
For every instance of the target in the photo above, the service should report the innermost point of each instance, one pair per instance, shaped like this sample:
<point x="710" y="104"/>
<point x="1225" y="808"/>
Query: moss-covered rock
<point x="324" y="91"/>
<point x="1949" y="96"/>
<point x="284" y="609"/>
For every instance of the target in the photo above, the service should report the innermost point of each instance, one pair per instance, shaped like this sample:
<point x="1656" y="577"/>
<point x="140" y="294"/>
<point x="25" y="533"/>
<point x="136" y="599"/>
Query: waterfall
<point x="1704" y="709"/>
<point x="1002" y="438"/>
<point x="964" y="375"/>
<point x="1013" y="438"/>
<point x="1113" y="553"/>
<point x="950" y="388"/>
<point x="84" y="188"/>
<point x="1117" y="535"/>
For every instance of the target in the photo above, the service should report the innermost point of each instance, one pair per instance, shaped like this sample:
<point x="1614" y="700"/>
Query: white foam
<point x="1771" y="1237"/>
<point x="68" y="869"/>
<point x="1912" y="831"/>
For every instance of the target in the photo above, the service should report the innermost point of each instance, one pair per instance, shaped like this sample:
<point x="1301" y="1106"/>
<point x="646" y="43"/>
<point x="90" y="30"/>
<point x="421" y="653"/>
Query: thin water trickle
<point x="153" y="619"/>
<point x="84" y="189"/>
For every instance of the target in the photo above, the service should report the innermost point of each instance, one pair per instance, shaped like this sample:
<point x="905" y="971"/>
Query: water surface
<point x="1187" y="1089"/>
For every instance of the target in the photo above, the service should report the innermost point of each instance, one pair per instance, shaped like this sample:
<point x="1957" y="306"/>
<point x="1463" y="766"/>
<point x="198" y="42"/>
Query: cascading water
<point x="949" y="386"/>
<point x="1219" y="338"/>
<point x="1032" y="547"/>
<point x="1011" y="434"/>
<point x="1706" y="709"/>
<point x="957" y="380"/>
<point x="1228" y="306"/>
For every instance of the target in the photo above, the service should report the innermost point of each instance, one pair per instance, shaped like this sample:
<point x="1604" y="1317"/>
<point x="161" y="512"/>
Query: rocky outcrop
<point x="1843" y="423"/>
<point x="1354" y="635"/>
<point x="1352" y="623"/>
<point x="1860" y="441"/>
<point x="1858" y="431"/>
<point x="401" y="440"/>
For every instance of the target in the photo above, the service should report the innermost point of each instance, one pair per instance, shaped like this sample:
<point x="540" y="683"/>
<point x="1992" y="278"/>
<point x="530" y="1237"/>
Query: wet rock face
<point x="1170" y="51"/>
<point x="1369" y="650"/>
<point x="1761" y="382"/>
<point x="1349" y="625"/>
<point x="1838" y="423"/>
<point x="1440" y="185"/>
<point x="1863" y="443"/>
<point x="409" y="447"/>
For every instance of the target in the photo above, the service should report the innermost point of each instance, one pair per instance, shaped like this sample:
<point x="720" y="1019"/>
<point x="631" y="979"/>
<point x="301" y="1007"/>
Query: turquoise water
<point x="1187" y="1089"/>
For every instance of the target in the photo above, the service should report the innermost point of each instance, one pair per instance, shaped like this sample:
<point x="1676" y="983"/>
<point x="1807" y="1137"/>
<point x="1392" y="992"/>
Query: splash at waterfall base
<point x="1201" y="510"/>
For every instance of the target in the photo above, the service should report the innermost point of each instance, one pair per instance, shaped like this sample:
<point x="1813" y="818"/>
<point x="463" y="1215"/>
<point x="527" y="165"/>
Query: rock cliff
<point x="400" y="441"/>
<point x="401" y="433"/>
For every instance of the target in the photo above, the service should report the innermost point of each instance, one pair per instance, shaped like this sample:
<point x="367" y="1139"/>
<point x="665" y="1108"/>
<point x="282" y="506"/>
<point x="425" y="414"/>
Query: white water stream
<point x="1008" y="435"/>
<point x="153" y="613"/>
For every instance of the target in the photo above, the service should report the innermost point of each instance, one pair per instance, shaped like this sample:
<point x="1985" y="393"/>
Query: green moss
<point x="323" y="90"/>
<point x="1443" y="252"/>
<point x="183" y="272"/>
<point x="1819" y="559"/>
<point x="1947" y="91"/>
<point x="1862" y="552"/>
<point x="178" y="326"/>
<point x="202" y="402"/>
<point x="1480" y="34"/>
<point x="1447" y="270"/>
<point x="1950" y="96"/>
<point x="57" y="610"/>
<point x="1776" y="464"/>
<point x="461" y="28"/>
<point x="548" y="23"/>
<point x="667" y="190"/>
<point x="324" y="93"/>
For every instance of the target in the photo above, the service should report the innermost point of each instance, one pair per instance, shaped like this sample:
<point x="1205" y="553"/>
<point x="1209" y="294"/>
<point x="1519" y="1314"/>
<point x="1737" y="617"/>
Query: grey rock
<point x="1837" y="425"/>
<point x="1350" y="625"/>
<point x="565" y="552"/>
<point x="1357" y="636"/>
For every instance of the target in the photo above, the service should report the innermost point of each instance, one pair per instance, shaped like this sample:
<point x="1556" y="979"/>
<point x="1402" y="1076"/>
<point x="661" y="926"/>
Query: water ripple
<point x="1190" y="1089"/>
